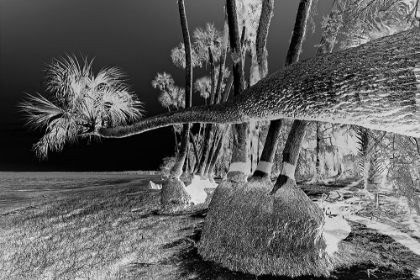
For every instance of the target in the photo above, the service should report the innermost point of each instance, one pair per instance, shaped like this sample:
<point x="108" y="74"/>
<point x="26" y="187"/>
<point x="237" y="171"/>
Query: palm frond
<point x="40" y="111"/>
<point x="203" y="86"/>
<point x="80" y="102"/>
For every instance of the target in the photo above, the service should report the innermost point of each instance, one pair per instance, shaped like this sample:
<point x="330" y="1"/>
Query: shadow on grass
<point x="383" y="266"/>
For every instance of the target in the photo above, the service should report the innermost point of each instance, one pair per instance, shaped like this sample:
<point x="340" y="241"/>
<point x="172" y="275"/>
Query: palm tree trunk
<point x="373" y="85"/>
<point x="266" y="162"/>
<point x="175" y="141"/>
<point x="298" y="126"/>
<point x="204" y="149"/>
<point x="209" y="131"/>
<point x="239" y="167"/>
<point x="222" y="60"/>
<point x="174" y="195"/>
<point x="318" y="154"/>
<point x="216" y="138"/>
<point x="262" y="35"/>
<point x="177" y="169"/>
<point x="223" y="134"/>
<point x="192" y="140"/>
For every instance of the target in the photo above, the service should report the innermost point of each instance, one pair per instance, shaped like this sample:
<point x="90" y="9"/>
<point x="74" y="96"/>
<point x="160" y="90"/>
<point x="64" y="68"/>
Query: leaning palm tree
<point x="78" y="100"/>
<point x="340" y="87"/>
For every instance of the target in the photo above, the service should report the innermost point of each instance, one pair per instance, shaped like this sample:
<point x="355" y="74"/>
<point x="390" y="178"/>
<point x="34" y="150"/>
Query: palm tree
<point x="171" y="97"/>
<point x="340" y="87"/>
<point x="203" y="86"/>
<point x="78" y="101"/>
<point x="174" y="195"/>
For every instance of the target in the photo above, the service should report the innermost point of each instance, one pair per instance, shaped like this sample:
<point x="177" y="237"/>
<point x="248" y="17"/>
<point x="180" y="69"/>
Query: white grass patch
<point x="196" y="189"/>
<point x="335" y="230"/>
<point x="154" y="186"/>
<point x="397" y="235"/>
<point x="360" y="198"/>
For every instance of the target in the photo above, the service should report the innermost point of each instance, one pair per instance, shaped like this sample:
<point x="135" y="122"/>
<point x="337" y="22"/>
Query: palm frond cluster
<point x="171" y="96"/>
<point x="78" y="103"/>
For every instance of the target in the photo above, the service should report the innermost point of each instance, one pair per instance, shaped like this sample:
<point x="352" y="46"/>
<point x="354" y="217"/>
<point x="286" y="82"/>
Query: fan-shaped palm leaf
<point x="178" y="57"/>
<point x="80" y="101"/>
<point x="206" y="38"/>
<point x="203" y="86"/>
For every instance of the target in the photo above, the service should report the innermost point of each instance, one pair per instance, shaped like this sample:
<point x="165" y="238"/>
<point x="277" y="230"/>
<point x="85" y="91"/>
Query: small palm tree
<point x="78" y="102"/>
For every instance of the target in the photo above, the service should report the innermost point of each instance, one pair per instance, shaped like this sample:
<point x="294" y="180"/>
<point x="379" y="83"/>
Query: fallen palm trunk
<point x="375" y="85"/>
<point x="248" y="230"/>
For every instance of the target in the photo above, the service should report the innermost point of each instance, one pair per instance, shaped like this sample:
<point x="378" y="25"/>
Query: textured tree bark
<point x="264" y="167"/>
<point x="222" y="60"/>
<point x="291" y="155"/>
<point x="239" y="167"/>
<point x="173" y="194"/>
<point x="375" y="85"/>
<point x="318" y="175"/>
<point x="177" y="169"/>
<point x="262" y="34"/>
<point x="209" y="131"/>
<point x="224" y="133"/>
<point x="192" y="140"/>
<point x="216" y="136"/>
<point x="299" y="126"/>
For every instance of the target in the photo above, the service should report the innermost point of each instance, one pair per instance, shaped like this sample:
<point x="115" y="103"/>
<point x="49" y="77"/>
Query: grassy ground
<point x="108" y="232"/>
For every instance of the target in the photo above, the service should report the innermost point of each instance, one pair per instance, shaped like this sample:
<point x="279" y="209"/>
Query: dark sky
<point x="137" y="36"/>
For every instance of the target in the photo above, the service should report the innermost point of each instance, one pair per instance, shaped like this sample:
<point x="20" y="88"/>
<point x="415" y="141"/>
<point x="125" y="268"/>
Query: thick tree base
<point x="250" y="231"/>
<point x="174" y="197"/>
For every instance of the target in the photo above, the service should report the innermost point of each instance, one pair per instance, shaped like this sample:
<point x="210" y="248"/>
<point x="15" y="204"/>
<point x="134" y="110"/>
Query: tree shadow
<point x="192" y="266"/>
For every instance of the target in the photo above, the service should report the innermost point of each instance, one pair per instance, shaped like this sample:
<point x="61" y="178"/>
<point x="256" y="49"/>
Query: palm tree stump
<point x="174" y="197"/>
<point x="248" y="230"/>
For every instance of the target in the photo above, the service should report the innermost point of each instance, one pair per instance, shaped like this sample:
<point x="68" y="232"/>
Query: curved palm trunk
<point x="266" y="162"/>
<point x="374" y="85"/>
<point x="177" y="169"/>
<point x="173" y="195"/>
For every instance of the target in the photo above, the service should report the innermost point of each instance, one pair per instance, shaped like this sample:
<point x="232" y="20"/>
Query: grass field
<point x="109" y="227"/>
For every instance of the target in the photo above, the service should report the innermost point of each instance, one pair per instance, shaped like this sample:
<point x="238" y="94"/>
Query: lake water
<point x="19" y="188"/>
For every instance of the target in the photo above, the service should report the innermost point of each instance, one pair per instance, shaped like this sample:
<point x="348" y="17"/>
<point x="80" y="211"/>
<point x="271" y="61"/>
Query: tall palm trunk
<point x="262" y="34"/>
<point x="239" y="166"/>
<point x="223" y="134"/>
<point x="266" y="162"/>
<point x="173" y="195"/>
<point x="192" y="140"/>
<point x="318" y="175"/>
<point x="216" y="97"/>
<point x="177" y="169"/>
<point x="294" y="140"/>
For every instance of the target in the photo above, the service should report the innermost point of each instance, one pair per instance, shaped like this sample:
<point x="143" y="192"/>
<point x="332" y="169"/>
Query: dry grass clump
<point x="248" y="230"/>
<point x="174" y="196"/>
